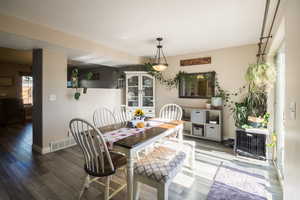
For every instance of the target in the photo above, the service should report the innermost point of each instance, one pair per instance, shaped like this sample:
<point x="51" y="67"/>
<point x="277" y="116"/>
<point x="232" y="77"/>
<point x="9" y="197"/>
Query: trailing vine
<point x="75" y="82"/>
<point x="174" y="82"/>
<point x="226" y="95"/>
<point x="169" y="82"/>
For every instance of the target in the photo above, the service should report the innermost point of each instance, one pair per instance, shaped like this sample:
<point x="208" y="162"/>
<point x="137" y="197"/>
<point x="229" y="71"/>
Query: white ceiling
<point x="132" y="26"/>
<point x="23" y="46"/>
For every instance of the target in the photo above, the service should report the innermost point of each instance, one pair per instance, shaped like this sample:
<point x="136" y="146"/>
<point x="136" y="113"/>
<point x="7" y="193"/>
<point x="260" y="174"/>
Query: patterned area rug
<point x="235" y="183"/>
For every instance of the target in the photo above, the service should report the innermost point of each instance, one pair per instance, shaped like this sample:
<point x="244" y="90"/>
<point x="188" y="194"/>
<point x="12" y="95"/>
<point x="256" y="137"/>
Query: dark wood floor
<point x="59" y="175"/>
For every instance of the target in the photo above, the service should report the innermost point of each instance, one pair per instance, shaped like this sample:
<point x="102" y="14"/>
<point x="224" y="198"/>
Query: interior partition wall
<point x="37" y="111"/>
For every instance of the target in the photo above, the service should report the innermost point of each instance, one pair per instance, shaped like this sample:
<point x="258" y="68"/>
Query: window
<point x="27" y="89"/>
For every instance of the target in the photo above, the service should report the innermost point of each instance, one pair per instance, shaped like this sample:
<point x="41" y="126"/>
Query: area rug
<point x="235" y="183"/>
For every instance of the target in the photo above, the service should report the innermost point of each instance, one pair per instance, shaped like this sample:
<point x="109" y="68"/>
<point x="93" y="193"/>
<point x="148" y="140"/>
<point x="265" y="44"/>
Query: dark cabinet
<point x="11" y="111"/>
<point x="250" y="144"/>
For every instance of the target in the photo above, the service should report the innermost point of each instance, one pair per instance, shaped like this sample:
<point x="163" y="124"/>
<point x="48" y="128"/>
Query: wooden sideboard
<point x="203" y="123"/>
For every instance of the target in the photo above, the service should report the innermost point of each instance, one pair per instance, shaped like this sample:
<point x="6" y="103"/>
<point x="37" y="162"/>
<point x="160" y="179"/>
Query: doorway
<point x="15" y="100"/>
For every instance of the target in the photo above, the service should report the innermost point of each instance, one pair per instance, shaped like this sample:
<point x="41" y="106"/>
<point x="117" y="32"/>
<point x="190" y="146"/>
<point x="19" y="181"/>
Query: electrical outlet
<point x="52" y="97"/>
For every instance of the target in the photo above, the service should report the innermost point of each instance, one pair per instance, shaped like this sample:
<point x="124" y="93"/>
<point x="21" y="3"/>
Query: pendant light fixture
<point x="160" y="61"/>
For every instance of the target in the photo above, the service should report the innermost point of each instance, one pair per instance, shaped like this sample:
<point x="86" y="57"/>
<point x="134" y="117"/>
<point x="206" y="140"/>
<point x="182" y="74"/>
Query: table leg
<point x="180" y="133"/>
<point x="130" y="174"/>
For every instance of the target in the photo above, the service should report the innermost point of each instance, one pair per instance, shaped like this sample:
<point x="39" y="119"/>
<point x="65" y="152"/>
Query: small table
<point x="132" y="144"/>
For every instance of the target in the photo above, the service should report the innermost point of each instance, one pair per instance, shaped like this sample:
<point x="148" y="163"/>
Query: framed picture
<point x="6" y="81"/>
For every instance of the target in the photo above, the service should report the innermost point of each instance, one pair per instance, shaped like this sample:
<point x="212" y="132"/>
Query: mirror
<point x="197" y="85"/>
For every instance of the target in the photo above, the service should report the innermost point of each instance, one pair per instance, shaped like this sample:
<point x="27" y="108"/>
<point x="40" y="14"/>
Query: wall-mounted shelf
<point x="203" y="123"/>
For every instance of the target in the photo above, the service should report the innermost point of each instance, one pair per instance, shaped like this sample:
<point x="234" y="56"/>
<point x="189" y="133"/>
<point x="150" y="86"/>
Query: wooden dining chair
<point x="170" y="112"/>
<point x="98" y="161"/>
<point x="104" y="119"/>
<point x="174" y="112"/>
<point x="157" y="169"/>
<point x="121" y="115"/>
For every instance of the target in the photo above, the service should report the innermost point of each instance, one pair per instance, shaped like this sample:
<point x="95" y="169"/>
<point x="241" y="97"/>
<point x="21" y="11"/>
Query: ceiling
<point x="132" y="26"/>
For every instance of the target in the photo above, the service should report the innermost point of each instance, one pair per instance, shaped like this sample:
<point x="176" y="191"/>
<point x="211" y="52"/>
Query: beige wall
<point x="57" y="114"/>
<point x="230" y="65"/>
<point x="292" y="136"/>
<point x="12" y="70"/>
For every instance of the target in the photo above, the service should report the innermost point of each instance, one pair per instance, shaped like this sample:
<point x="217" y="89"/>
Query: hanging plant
<point x="260" y="76"/>
<point x="75" y="82"/>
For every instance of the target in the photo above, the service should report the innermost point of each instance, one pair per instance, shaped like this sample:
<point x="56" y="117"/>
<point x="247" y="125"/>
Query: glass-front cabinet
<point x="140" y="92"/>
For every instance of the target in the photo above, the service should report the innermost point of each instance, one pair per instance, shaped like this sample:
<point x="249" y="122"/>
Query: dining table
<point x="130" y="141"/>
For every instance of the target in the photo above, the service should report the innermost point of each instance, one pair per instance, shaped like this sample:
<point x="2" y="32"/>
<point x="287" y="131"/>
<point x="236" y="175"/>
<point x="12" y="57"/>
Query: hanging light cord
<point x="160" y="53"/>
<point x="261" y="53"/>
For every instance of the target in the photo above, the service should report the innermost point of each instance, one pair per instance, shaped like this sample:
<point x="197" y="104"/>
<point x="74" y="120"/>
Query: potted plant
<point x="260" y="78"/>
<point x="208" y="104"/>
<point x="220" y="95"/>
<point x="75" y="82"/>
<point x="252" y="110"/>
<point x="240" y="114"/>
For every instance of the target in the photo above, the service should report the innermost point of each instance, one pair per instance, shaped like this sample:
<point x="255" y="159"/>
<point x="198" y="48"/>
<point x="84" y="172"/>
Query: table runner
<point x="113" y="136"/>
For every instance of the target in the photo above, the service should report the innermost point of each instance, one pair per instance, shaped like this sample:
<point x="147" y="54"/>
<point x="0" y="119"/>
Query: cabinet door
<point x="132" y="91"/>
<point x="147" y="91"/>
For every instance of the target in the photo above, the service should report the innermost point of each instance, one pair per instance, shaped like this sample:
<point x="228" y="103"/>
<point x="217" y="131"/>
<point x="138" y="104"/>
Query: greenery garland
<point x="174" y="82"/>
<point x="170" y="82"/>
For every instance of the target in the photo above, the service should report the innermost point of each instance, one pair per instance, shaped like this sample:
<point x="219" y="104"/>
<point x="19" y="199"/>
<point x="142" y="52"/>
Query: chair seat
<point x="161" y="164"/>
<point x="118" y="160"/>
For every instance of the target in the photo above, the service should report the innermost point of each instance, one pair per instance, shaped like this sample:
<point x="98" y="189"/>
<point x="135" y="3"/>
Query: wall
<point x="230" y="65"/>
<point x="57" y="114"/>
<point x="292" y="125"/>
<point x="12" y="70"/>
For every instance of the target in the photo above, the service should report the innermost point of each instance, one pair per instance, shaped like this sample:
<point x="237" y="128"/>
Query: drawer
<point x="198" y="116"/>
<point x="198" y="130"/>
<point x="213" y="131"/>
<point x="149" y="110"/>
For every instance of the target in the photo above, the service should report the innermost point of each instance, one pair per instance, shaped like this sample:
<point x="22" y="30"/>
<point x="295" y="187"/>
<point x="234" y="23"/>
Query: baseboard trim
<point x="40" y="149"/>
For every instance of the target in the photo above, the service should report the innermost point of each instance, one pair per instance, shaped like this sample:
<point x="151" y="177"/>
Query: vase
<point x="139" y="118"/>
<point x="208" y="105"/>
<point x="216" y="101"/>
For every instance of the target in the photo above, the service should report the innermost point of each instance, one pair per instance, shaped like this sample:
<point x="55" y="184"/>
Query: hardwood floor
<point x="27" y="175"/>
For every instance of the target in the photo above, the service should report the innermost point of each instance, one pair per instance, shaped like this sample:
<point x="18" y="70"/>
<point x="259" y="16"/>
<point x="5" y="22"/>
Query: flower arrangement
<point x="139" y="113"/>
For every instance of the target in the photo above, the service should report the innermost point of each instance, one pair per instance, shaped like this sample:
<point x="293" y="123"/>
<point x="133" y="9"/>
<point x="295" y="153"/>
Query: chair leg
<point x="85" y="185"/>
<point x="106" y="192"/>
<point x="136" y="190"/>
<point x="162" y="192"/>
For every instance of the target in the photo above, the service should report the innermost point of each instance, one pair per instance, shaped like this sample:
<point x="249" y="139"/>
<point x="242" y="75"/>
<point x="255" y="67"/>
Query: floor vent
<point x="62" y="144"/>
